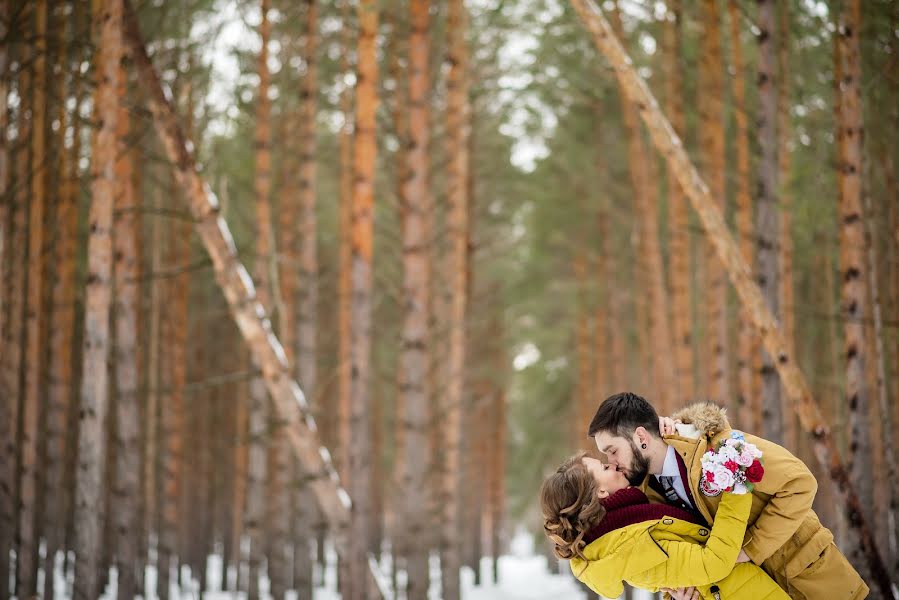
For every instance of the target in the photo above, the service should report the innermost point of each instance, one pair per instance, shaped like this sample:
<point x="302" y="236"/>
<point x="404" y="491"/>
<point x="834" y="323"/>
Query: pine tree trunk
<point x="278" y="511"/>
<point x="152" y="425"/>
<point x="98" y="303"/>
<point x="768" y="218"/>
<point x="414" y="377"/>
<point x="497" y="476"/>
<point x="356" y="586"/>
<point x="711" y="116"/>
<point x="172" y="409"/>
<point x="344" y="284"/>
<point x="27" y="554"/>
<point x="307" y="318"/>
<point x="60" y="376"/>
<point x="4" y="173"/>
<point x="583" y="349"/>
<point x="646" y="209"/>
<point x="254" y="519"/>
<point x="750" y="295"/>
<point x="785" y="199"/>
<point x="854" y="301"/>
<point x="400" y="537"/>
<point x="239" y="498"/>
<point x="678" y="222"/>
<point x="458" y="125"/>
<point x="8" y="403"/>
<point x="127" y="300"/>
<point x="748" y="397"/>
<point x="616" y="311"/>
<point x="303" y="506"/>
<point x="881" y="435"/>
<point x="601" y="381"/>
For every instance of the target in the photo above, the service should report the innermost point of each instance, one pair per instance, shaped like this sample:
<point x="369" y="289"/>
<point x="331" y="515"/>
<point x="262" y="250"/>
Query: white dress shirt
<point x="671" y="469"/>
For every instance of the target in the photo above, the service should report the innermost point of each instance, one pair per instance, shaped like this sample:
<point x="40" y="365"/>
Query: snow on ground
<point x="522" y="576"/>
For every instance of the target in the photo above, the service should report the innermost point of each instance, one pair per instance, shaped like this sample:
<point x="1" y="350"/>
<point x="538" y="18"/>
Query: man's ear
<point x="641" y="436"/>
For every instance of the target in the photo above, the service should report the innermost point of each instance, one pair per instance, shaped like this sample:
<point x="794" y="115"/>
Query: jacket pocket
<point x="809" y="552"/>
<point x="828" y="576"/>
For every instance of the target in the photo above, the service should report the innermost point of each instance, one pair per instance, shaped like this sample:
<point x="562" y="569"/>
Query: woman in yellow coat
<point x="612" y="534"/>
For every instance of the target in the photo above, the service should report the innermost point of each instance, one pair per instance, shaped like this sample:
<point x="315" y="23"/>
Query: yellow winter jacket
<point x="672" y="553"/>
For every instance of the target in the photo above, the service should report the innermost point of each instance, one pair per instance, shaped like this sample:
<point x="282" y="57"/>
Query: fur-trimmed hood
<point x="706" y="418"/>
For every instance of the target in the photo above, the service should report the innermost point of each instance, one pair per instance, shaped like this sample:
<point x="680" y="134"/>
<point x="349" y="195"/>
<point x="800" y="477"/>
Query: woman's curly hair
<point x="571" y="507"/>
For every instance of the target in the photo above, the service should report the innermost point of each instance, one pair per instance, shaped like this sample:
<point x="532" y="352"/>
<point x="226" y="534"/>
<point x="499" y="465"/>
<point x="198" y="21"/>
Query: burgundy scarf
<point x="630" y="505"/>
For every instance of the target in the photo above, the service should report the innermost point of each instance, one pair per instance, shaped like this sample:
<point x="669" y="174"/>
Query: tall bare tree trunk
<point x="151" y="472"/>
<point x="239" y="498"/>
<point x="882" y="436"/>
<point x="711" y="115"/>
<point x="498" y="453"/>
<point x="27" y="555"/>
<point x="678" y="222"/>
<point x="9" y="403"/>
<point x="60" y="375"/>
<point x="646" y="209"/>
<point x="258" y="417"/>
<point x="307" y="319"/>
<point x="768" y="218"/>
<point x="748" y="393"/>
<point x="582" y="401"/>
<point x="344" y="283"/>
<point x="670" y="145"/>
<point x="458" y="117"/>
<point x="397" y="50"/>
<point x="98" y="302"/>
<point x="127" y="273"/>
<point x="414" y="380"/>
<point x="854" y="300"/>
<point x="361" y="233"/>
<point x="785" y="199"/>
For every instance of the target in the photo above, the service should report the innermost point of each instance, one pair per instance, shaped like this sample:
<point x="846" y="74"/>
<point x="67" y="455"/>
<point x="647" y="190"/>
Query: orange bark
<point x="344" y="264"/>
<point x="785" y="200"/>
<point x="26" y="568"/>
<point x="361" y="244"/>
<point x="414" y="380"/>
<point x="711" y="115"/>
<point x="646" y="209"/>
<point x="678" y="222"/>
<point x="767" y="215"/>
<point x="458" y="132"/>
<point x="127" y="301"/>
<point x="748" y="397"/>
<point x="853" y="294"/>
<point x="98" y="300"/>
<point x="13" y="282"/>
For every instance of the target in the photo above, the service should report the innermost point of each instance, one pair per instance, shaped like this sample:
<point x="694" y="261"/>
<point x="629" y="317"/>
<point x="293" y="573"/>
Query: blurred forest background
<point x="465" y="242"/>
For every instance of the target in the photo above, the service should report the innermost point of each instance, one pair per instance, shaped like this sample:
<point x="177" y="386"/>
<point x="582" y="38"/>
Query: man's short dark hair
<point x="622" y="413"/>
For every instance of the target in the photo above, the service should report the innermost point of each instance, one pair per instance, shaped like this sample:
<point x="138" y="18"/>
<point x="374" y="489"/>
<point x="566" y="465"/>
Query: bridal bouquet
<point x="734" y="466"/>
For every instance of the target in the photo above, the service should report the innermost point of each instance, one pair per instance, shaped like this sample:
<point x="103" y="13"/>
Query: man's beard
<point x="639" y="467"/>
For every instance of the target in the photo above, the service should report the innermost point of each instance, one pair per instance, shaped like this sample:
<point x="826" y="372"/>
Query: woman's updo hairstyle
<point x="571" y="507"/>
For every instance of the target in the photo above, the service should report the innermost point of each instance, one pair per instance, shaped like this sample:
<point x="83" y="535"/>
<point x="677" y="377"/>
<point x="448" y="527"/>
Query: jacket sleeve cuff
<point x="753" y="549"/>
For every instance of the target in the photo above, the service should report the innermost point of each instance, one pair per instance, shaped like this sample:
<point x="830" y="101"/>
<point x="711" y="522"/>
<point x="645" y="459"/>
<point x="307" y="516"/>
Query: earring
<point x="643" y="446"/>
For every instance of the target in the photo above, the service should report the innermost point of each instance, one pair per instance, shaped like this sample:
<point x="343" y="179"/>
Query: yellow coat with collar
<point x="672" y="553"/>
<point x="784" y="535"/>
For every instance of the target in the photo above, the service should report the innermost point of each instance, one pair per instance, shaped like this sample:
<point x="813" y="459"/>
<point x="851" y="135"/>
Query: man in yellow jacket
<point x="784" y="536"/>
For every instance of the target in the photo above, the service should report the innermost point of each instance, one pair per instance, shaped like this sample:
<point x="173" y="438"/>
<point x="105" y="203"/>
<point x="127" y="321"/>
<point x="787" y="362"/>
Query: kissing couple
<point x="688" y="506"/>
